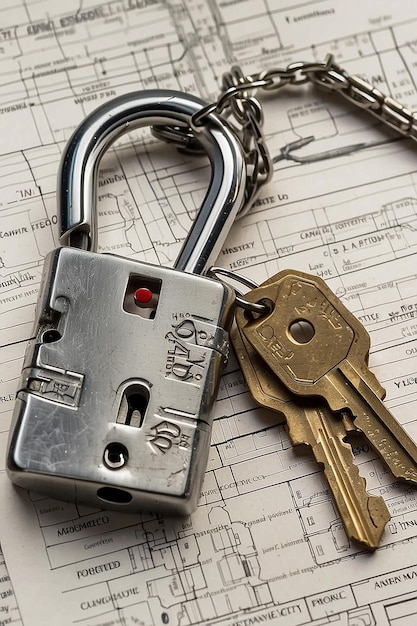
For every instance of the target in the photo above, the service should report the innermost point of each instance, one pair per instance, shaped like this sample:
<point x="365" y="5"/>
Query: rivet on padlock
<point x="114" y="405"/>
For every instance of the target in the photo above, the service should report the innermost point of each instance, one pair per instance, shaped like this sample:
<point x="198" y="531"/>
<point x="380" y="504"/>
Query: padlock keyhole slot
<point x="134" y="404"/>
<point x="136" y="407"/>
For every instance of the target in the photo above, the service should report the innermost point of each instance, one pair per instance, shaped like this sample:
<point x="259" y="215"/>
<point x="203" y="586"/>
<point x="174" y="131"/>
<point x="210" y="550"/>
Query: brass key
<point x="364" y="516"/>
<point x="316" y="346"/>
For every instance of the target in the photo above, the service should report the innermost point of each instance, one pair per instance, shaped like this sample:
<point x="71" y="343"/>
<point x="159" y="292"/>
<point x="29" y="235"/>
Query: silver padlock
<point x="117" y="388"/>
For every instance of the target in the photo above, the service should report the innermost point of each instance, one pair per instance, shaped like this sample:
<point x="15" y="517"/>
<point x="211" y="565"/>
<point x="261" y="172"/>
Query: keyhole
<point x="301" y="331"/>
<point x="136" y="407"/>
<point x="134" y="403"/>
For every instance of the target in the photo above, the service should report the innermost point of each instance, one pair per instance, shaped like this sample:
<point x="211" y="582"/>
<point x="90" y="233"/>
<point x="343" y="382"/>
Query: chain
<point x="244" y="113"/>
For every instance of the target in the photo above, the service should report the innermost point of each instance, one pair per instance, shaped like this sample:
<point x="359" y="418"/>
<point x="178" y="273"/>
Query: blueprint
<point x="266" y="544"/>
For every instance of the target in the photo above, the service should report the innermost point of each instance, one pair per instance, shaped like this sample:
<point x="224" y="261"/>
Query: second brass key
<point x="310" y="422"/>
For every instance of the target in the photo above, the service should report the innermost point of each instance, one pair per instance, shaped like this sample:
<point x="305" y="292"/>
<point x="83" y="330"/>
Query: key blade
<point x="364" y="516"/>
<point x="378" y="424"/>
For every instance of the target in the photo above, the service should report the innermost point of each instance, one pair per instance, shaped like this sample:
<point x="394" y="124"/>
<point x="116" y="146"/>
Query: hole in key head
<point x="266" y="307"/>
<point x="301" y="331"/>
<point x="268" y="304"/>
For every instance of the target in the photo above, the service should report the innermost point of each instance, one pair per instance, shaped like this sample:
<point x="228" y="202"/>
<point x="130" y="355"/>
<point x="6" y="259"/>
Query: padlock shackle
<point x="77" y="178"/>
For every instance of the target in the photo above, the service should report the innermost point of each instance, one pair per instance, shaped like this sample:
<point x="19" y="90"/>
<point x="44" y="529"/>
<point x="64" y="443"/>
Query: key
<point x="364" y="516"/>
<point x="317" y="347"/>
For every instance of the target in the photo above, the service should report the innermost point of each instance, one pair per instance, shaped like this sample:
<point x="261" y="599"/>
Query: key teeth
<point x="380" y="517"/>
<point x="366" y="533"/>
<point x="378" y="514"/>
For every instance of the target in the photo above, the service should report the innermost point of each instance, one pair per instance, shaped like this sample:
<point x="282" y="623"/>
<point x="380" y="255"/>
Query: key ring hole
<point x="268" y="305"/>
<point x="301" y="331"/>
<point x="255" y="310"/>
<point x="115" y="456"/>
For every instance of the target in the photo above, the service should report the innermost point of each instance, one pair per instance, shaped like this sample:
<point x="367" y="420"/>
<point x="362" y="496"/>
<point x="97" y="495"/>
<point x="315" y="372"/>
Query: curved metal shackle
<point x="77" y="178"/>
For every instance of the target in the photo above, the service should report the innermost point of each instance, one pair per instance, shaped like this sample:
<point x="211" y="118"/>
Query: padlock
<point x="114" y="408"/>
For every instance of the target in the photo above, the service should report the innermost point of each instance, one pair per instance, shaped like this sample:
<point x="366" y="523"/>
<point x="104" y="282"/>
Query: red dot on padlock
<point x="143" y="295"/>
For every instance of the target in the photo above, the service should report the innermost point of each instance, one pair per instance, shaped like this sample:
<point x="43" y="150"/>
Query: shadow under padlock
<point x="115" y="399"/>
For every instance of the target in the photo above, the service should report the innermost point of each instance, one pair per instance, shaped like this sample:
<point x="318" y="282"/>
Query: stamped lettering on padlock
<point x="115" y="402"/>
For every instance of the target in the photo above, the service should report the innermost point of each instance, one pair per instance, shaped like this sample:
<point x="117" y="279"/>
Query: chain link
<point x="244" y="113"/>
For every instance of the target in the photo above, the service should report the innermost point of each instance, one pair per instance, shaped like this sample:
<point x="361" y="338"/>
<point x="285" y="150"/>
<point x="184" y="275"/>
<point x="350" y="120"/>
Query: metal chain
<point x="243" y="111"/>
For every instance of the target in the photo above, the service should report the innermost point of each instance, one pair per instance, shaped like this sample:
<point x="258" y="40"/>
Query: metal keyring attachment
<point x="253" y="307"/>
<point x="78" y="171"/>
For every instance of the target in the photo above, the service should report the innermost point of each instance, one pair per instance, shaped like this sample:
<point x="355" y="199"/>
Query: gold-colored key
<point x="364" y="516"/>
<point x="317" y="347"/>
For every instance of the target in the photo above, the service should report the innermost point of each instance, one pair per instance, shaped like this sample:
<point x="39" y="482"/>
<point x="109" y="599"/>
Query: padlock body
<point x="114" y="407"/>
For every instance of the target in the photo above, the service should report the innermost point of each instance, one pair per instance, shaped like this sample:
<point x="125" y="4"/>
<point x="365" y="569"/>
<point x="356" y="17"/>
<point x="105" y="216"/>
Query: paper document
<point x="266" y="544"/>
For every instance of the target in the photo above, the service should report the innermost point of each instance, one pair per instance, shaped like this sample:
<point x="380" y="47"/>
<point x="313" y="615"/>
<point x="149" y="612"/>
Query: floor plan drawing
<point x="266" y="544"/>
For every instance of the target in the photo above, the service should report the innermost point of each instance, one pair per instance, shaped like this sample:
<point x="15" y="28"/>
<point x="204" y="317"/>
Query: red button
<point x="143" y="295"/>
